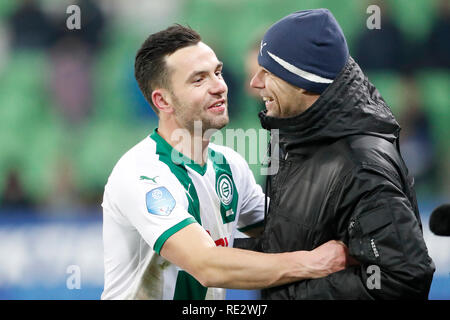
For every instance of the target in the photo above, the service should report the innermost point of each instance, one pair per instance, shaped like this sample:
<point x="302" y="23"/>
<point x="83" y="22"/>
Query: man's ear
<point x="161" y="100"/>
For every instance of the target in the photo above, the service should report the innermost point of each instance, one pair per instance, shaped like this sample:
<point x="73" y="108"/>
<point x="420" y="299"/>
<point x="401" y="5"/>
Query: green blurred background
<point x="70" y="106"/>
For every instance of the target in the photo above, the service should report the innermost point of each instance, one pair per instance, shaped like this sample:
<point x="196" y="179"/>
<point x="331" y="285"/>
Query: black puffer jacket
<point x="341" y="177"/>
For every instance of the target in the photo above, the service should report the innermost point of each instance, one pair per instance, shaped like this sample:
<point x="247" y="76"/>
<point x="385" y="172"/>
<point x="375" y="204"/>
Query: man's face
<point x="198" y="91"/>
<point x="282" y="99"/>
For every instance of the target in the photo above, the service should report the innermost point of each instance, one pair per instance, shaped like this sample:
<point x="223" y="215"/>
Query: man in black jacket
<point x="341" y="175"/>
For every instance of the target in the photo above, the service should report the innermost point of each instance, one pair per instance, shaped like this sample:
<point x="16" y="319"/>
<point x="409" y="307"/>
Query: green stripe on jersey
<point x="187" y="287"/>
<point x="166" y="234"/>
<point x="225" y="186"/>
<point x="164" y="150"/>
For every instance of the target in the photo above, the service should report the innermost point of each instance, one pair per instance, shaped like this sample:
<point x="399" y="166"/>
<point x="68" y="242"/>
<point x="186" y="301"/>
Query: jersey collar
<point x="166" y="150"/>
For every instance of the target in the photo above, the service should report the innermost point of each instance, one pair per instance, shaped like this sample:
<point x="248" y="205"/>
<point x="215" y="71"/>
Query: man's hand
<point x="330" y="257"/>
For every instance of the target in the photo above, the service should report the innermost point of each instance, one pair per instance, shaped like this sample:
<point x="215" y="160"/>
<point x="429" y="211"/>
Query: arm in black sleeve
<point x="378" y="223"/>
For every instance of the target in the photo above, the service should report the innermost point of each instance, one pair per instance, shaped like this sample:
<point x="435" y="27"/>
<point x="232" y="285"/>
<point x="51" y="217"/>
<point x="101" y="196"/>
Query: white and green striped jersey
<point x="153" y="192"/>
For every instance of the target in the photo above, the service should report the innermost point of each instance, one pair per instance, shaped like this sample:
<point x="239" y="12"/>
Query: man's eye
<point x="219" y="74"/>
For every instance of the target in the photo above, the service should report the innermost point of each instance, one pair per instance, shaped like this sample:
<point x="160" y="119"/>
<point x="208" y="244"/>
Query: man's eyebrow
<point x="196" y="73"/>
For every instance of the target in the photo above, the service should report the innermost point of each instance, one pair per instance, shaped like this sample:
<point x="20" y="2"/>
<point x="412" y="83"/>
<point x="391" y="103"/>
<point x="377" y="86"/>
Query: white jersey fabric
<point x="153" y="192"/>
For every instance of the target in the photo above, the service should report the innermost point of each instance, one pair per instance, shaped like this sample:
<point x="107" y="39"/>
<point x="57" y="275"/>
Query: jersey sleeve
<point x="252" y="210"/>
<point x="156" y="206"/>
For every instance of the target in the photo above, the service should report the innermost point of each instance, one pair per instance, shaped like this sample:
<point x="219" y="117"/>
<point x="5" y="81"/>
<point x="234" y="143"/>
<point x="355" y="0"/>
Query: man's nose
<point x="257" y="81"/>
<point x="218" y="87"/>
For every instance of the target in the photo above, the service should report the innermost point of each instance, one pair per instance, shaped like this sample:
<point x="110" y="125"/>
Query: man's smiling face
<point x="198" y="90"/>
<point x="282" y="99"/>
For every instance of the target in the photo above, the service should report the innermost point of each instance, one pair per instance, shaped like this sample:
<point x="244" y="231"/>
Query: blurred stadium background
<point x="70" y="107"/>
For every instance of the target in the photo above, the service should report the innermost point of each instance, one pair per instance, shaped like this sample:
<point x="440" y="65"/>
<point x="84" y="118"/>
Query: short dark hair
<point x="150" y="68"/>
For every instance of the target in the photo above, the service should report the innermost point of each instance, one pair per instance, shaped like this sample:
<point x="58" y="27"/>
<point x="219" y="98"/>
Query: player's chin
<point x="222" y="122"/>
<point x="273" y="113"/>
<point x="218" y="122"/>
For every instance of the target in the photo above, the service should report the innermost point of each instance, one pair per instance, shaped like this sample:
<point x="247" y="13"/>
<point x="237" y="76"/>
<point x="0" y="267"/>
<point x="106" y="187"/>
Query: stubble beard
<point x="188" y="121"/>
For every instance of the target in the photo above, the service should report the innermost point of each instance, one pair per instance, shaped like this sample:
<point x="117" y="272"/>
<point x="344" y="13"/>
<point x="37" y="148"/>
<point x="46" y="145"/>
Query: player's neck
<point x="191" y="144"/>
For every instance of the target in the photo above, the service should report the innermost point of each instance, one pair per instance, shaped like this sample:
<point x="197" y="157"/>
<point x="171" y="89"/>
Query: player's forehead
<point x="191" y="59"/>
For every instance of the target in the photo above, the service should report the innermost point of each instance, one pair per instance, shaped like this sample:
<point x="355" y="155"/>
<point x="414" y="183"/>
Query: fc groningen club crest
<point x="224" y="189"/>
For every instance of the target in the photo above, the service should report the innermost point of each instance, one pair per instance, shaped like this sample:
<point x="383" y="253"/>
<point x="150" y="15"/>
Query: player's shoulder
<point x="140" y="161"/>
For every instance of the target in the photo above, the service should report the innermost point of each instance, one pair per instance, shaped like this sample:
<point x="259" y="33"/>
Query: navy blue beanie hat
<point x="306" y="48"/>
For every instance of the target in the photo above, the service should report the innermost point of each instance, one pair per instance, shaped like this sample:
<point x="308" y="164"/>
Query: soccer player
<point x="171" y="205"/>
